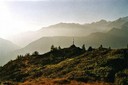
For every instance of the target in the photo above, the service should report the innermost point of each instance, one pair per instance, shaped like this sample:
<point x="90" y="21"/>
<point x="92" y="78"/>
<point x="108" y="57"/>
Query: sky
<point x="18" y="16"/>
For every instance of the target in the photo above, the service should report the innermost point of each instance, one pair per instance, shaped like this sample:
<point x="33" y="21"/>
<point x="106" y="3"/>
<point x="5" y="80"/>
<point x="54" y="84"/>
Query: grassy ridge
<point x="70" y="64"/>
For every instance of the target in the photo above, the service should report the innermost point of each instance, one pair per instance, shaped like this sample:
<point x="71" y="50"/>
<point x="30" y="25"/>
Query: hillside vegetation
<point x="73" y="65"/>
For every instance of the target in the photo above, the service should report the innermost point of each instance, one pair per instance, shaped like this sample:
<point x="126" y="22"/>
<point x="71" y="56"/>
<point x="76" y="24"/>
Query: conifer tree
<point x="109" y="48"/>
<point x="35" y="53"/>
<point x="83" y="47"/>
<point x="90" y="48"/>
<point x="59" y="48"/>
<point x="101" y="47"/>
<point x="52" y="47"/>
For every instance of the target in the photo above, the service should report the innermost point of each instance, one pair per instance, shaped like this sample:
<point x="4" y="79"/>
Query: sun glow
<point x="5" y="20"/>
<point x="9" y="23"/>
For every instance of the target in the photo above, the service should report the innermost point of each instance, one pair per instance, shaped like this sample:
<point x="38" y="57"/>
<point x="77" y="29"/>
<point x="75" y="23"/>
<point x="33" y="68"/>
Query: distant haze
<point x="30" y="15"/>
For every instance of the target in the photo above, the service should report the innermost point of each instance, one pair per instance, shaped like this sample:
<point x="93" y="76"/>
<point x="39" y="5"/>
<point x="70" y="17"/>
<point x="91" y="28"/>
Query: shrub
<point x="35" y="53"/>
<point x="121" y="78"/>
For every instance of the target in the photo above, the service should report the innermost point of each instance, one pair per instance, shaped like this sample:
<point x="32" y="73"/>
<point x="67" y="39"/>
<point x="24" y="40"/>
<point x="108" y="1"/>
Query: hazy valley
<point x="110" y="34"/>
<point x="68" y="61"/>
<point x="68" y="30"/>
<point x="113" y="34"/>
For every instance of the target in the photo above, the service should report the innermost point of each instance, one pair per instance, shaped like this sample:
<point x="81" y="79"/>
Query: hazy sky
<point x="23" y="15"/>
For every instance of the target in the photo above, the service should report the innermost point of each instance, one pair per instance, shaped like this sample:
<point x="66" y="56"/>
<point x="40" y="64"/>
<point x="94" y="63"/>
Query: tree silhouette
<point x="35" y="53"/>
<point x="52" y="47"/>
<point x="27" y="54"/>
<point x="90" y="48"/>
<point x="19" y="56"/>
<point x="83" y="47"/>
<point x="59" y="48"/>
<point x="109" y="48"/>
<point x="101" y="47"/>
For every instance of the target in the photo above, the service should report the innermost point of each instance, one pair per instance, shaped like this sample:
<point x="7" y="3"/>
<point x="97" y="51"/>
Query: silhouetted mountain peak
<point x="65" y="25"/>
<point x="102" y="21"/>
<point x="121" y="20"/>
<point x="124" y="18"/>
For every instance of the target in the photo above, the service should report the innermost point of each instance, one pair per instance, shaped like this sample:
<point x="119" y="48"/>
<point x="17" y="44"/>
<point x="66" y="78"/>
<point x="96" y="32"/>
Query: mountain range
<point x="108" y="33"/>
<point x="67" y="29"/>
<point x="115" y="38"/>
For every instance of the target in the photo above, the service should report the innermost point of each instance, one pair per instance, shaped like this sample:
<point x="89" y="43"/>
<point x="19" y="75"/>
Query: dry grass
<point x="46" y="81"/>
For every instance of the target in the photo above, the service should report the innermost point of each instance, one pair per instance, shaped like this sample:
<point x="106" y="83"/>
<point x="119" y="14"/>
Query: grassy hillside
<point x="101" y="66"/>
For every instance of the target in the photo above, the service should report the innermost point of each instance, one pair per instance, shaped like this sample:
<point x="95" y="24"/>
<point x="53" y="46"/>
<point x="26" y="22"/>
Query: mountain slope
<point x="119" y="22"/>
<point x="60" y="29"/>
<point x="5" y="48"/>
<point x="101" y="65"/>
<point x="115" y="38"/>
<point x="67" y="29"/>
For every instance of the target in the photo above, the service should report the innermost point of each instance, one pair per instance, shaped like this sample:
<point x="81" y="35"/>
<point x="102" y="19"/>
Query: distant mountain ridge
<point x="5" y="48"/>
<point x="68" y="29"/>
<point x="115" y="38"/>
